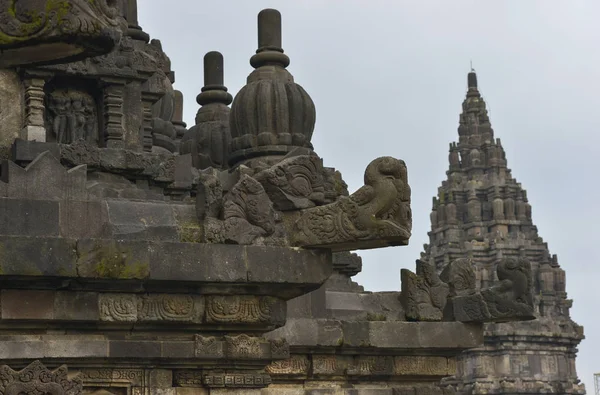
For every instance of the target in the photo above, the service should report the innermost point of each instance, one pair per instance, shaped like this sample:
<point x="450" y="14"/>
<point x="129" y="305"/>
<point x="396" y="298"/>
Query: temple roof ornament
<point x="271" y="115"/>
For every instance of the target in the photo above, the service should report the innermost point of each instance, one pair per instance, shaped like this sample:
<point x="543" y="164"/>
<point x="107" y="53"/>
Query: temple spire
<point x="482" y="214"/>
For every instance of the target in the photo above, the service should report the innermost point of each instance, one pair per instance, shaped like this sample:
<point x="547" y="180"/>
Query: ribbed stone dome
<point x="271" y="115"/>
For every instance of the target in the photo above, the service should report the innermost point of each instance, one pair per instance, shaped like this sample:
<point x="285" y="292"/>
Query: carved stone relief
<point x="71" y="115"/>
<point x="423" y="295"/>
<point x="239" y="309"/>
<point x="217" y="380"/>
<point x="380" y="210"/>
<point x="36" y="379"/>
<point x="508" y="299"/>
<point x="295" y="365"/>
<point x="295" y="183"/>
<point x="150" y="307"/>
<point x="244" y="346"/>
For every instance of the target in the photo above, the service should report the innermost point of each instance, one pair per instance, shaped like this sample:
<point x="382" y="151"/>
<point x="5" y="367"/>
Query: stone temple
<point x="482" y="215"/>
<point x="139" y="256"/>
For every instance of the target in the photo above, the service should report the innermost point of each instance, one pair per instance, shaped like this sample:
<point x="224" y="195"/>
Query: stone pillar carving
<point x="474" y="207"/>
<point x="146" y="124"/>
<point x="113" y="115"/>
<point x="509" y="209"/>
<point x="451" y="218"/>
<point x="498" y="209"/>
<point x="33" y="128"/>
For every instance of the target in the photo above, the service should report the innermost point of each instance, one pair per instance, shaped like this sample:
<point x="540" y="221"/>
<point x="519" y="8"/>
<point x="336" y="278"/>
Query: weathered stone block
<point x="27" y="305"/>
<point x="161" y="378"/>
<point x="28" y="256"/>
<point x="134" y="349"/>
<point x="83" y="219"/>
<point x="24" y="151"/>
<point x="29" y="217"/>
<point x="140" y="220"/>
<point x="76" y="306"/>
<point x="174" y="349"/>
<point x="50" y="346"/>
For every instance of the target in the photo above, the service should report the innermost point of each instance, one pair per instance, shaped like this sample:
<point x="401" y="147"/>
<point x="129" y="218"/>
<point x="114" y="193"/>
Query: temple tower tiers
<point x="482" y="213"/>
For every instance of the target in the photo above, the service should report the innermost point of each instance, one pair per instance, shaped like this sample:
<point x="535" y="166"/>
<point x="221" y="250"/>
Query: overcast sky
<point x="389" y="77"/>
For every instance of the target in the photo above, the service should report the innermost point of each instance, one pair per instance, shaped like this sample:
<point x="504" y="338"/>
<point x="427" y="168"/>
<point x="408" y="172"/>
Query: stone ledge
<point x="392" y="335"/>
<point x="50" y="262"/>
<point x="20" y="308"/>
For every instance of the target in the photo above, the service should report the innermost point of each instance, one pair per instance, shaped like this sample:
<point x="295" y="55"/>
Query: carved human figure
<point x="60" y="106"/>
<point x="76" y="118"/>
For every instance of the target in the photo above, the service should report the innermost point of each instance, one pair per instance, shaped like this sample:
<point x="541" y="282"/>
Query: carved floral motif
<point x="209" y="347"/>
<point x="165" y="307"/>
<point x="152" y="307"/>
<point x="297" y="364"/>
<point x="243" y="346"/>
<point x="36" y="379"/>
<point x="118" y="307"/>
<point x="238" y="309"/>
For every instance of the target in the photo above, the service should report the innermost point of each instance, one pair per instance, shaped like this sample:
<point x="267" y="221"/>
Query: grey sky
<point x="388" y="78"/>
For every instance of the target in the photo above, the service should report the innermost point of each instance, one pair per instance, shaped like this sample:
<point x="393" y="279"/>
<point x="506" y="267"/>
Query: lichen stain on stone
<point x="190" y="233"/>
<point x="108" y="261"/>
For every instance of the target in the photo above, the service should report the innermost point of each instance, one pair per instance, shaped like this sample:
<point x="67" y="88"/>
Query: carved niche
<point x="36" y="379"/>
<point x="71" y="113"/>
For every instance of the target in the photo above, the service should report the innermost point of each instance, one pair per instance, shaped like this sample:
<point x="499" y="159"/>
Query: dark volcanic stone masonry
<point x="141" y="257"/>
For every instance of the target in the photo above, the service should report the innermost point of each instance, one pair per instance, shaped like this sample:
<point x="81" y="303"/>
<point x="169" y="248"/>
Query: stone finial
<point x="472" y="80"/>
<point x="208" y="141"/>
<point x="271" y="115"/>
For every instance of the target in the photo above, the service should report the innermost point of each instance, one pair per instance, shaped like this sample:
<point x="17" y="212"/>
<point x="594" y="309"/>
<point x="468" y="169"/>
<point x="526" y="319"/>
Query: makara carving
<point x="295" y="183"/>
<point x="379" y="212"/>
<point x="424" y="295"/>
<point x="509" y="299"/>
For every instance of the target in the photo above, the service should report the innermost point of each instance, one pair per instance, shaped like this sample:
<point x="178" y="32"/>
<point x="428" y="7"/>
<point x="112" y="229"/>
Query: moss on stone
<point x="376" y="317"/>
<point x="108" y="261"/>
<point x="190" y="233"/>
<point x="28" y="31"/>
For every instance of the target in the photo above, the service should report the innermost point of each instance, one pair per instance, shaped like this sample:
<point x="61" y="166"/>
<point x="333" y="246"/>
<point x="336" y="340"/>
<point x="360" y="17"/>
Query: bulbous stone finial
<point x="208" y="141"/>
<point x="271" y="115"/>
